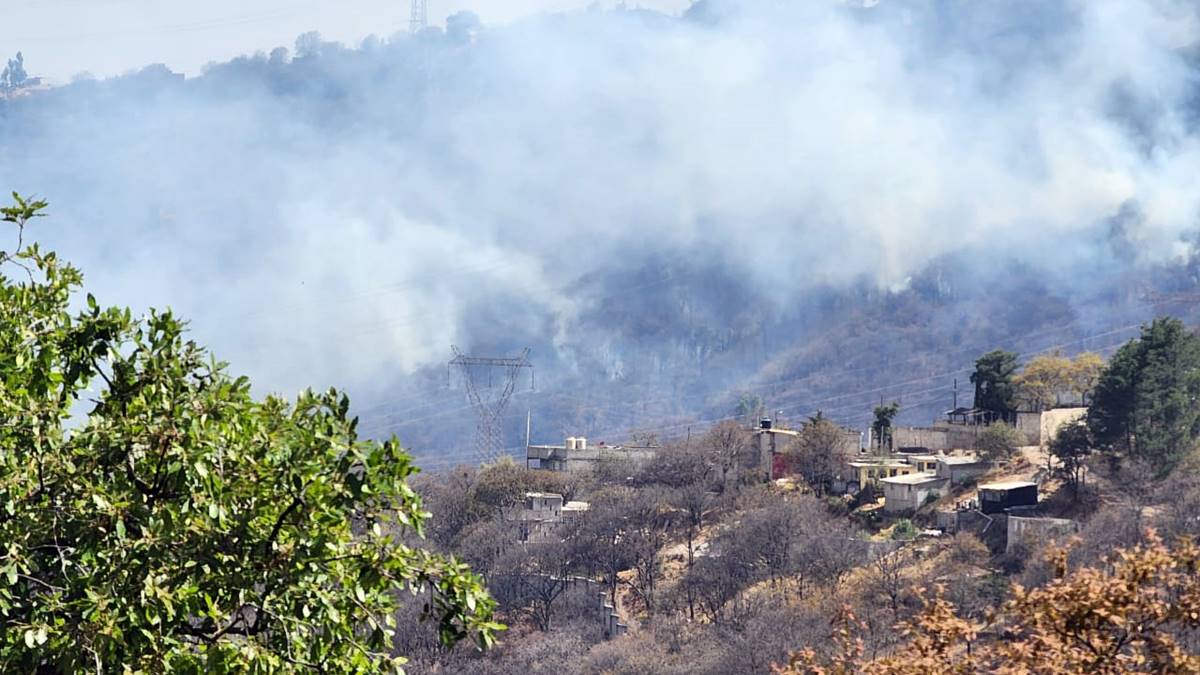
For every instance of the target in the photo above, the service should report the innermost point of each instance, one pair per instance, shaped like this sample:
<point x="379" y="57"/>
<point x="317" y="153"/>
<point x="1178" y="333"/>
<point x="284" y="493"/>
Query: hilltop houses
<point x="961" y="428"/>
<point x="576" y="455"/>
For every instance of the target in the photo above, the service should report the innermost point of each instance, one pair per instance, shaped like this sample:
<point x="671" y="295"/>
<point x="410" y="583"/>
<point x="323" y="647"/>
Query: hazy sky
<point x="105" y="37"/>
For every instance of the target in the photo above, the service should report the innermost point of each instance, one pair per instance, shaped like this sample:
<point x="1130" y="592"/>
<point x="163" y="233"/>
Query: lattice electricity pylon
<point x="419" y="18"/>
<point x="489" y="401"/>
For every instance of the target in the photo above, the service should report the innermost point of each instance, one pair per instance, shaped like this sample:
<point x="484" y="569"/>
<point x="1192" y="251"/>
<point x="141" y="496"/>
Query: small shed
<point x="999" y="497"/>
<point x="910" y="492"/>
<point x="961" y="469"/>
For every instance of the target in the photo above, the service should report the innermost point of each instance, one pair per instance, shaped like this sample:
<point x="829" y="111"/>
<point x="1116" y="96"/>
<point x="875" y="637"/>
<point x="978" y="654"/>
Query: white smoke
<point x="343" y="219"/>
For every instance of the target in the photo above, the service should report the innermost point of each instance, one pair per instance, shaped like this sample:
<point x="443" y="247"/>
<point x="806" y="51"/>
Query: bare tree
<point x="728" y="446"/>
<point x="534" y="577"/>
<point x="819" y="454"/>
<point x="887" y="576"/>
<point x="600" y="539"/>
<point x="649" y="519"/>
<point x="696" y="503"/>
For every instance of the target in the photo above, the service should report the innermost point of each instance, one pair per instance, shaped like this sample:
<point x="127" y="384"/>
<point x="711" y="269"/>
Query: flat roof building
<point x="911" y="492"/>
<point x="999" y="497"/>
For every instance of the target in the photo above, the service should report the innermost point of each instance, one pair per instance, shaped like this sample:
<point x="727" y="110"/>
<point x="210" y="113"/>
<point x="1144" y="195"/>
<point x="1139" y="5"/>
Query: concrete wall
<point x="610" y="623"/>
<point x="1029" y="425"/>
<point x="941" y="437"/>
<point x="1036" y="529"/>
<point x="946" y="520"/>
<point x="1041" y="428"/>
<point x="558" y="458"/>
<point x="919" y="437"/>
<point x="1053" y="420"/>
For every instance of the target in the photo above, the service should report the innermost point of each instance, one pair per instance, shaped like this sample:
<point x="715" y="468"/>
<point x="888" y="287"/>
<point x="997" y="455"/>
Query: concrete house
<point x="577" y="455"/>
<point x="772" y="441"/>
<point x="959" y="470"/>
<point x="904" y="494"/>
<point x="769" y="443"/>
<point x="539" y="517"/>
<point x="872" y="470"/>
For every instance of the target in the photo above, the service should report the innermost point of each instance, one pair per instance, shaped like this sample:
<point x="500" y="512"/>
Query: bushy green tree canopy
<point x="1071" y="448"/>
<point x="1147" y="401"/>
<point x="993" y="380"/>
<point x="155" y="516"/>
<point x="999" y="442"/>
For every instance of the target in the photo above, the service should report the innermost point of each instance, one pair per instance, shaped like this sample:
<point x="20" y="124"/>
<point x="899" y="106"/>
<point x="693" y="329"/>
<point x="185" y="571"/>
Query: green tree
<point x="750" y="408"/>
<point x="1145" y="403"/>
<point x="1110" y="418"/>
<point x="1071" y="447"/>
<point x="156" y="517"/>
<point x="993" y="380"/>
<point x="505" y="483"/>
<point x="998" y="442"/>
<point x="881" y="426"/>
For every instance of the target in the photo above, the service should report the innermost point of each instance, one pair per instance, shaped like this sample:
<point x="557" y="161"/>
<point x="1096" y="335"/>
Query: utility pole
<point x="419" y="17"/>
<point x="488" y="400"/>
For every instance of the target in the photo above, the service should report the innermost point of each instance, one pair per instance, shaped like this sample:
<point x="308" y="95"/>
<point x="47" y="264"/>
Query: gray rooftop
<point x="956" y="461"/>
<point x="914" y="479"/>
<point x="1008" y="485"/>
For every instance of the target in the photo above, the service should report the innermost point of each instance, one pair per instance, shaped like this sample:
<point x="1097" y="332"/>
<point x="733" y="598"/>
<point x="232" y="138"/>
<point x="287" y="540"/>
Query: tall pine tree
<point x="1146" y="402"/>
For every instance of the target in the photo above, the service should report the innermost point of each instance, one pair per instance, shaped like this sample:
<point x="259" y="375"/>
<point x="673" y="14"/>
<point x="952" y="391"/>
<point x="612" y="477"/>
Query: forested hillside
<point x="671" y="222"/>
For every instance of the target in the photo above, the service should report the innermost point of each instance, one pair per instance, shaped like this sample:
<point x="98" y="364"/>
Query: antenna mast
<point x="489" y="401"/>
<point x="419" y="18"/>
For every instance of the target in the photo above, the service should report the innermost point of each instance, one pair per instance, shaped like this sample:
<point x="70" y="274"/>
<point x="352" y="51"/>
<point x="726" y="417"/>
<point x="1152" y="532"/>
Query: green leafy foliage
<point x="1070" y="448"/>
<point x="1145" y="403"/>
<point x="904" y="529"/>
<point x="750" y="408"/>
<point x="881" y="425"/>
<point x="998" y="442"/>
<point x="155" y="516"/>
<point x="993" y="380"/>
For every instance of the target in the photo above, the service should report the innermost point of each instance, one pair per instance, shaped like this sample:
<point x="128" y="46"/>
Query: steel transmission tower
<point x="481" y="375"/>
<point x="419" y="18"/>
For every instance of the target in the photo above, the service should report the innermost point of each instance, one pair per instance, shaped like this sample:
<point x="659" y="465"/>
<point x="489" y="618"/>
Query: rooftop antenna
<point x="488" y="400"/>
<point x="419" y="18"/>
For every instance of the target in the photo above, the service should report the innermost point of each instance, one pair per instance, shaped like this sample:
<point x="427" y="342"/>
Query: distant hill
<point x="823" y="206"/>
